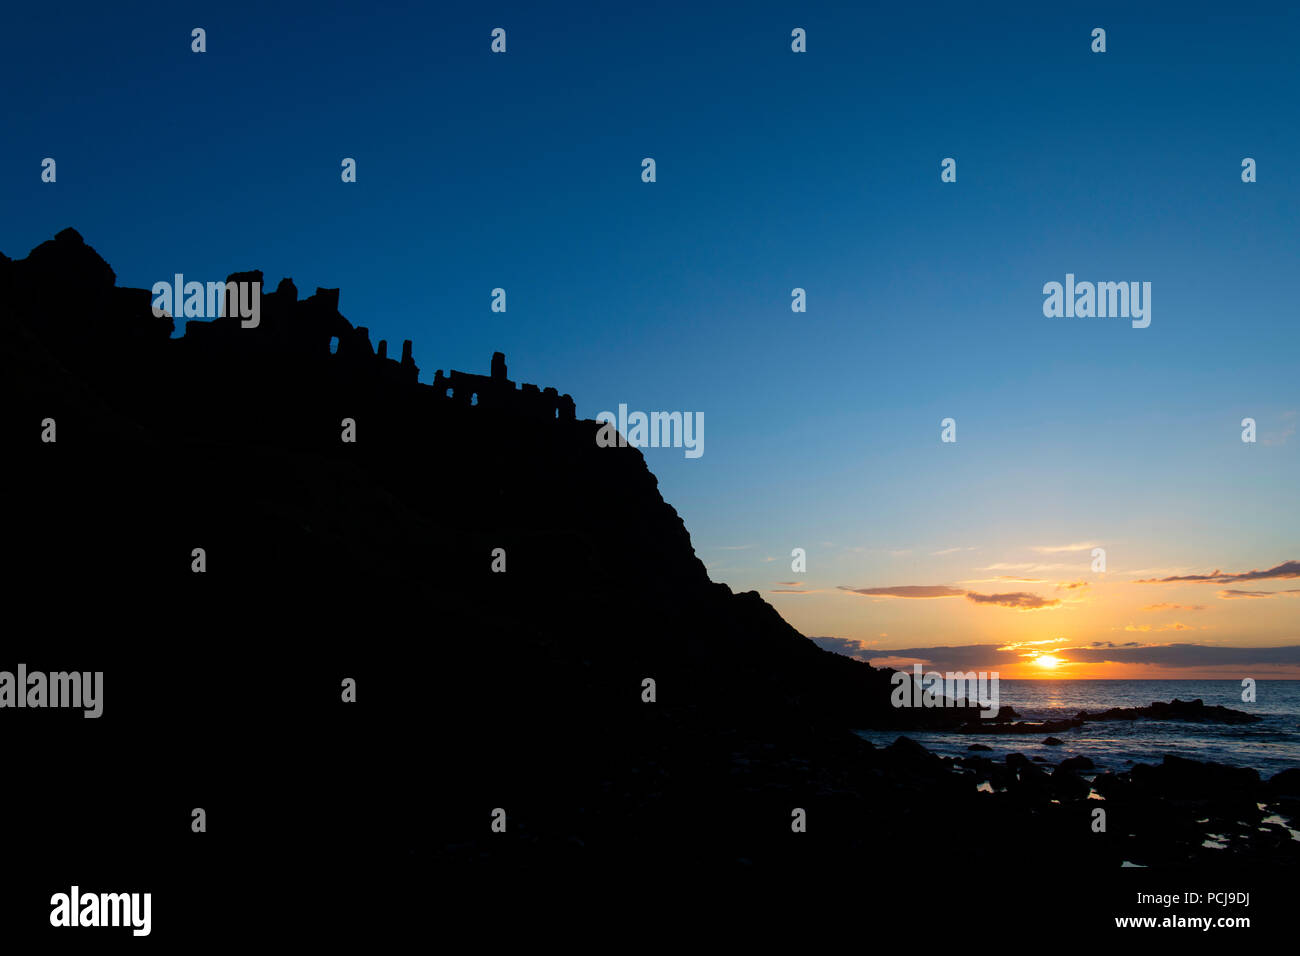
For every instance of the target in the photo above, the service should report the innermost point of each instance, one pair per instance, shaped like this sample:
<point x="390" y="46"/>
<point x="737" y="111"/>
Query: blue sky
<point x="775" y="170"/>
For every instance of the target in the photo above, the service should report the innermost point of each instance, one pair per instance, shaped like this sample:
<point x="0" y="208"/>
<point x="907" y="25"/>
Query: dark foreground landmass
<point x="476" y="690"/>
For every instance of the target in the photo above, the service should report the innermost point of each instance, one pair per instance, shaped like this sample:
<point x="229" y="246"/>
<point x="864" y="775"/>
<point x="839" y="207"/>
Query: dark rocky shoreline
<point x="1179" y="811"/>
<point x="1165" y="811"/>
<point x="1169" y="812"/>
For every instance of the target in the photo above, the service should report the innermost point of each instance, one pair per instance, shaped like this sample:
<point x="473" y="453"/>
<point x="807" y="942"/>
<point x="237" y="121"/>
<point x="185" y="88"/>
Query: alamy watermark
<point x="76" y="908"/>
<point x="84" y="689"/>
<point x="1086" y="300"/>
<point x="655" y="430"/>
<point x="198" y="300"/>
<point x="950" y="690"/>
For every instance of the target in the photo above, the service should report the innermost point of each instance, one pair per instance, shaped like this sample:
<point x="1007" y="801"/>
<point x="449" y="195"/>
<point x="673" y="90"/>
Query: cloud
<point x="951" y="658"/>
<point x="848" y="646"/>
<point x="909" y="591"/>
<point x="1232" y="594"/>
<point x="794" y="587"/>
<point x="1072" y="585"/>
<point x="1188" y="655"/>
<point x="1056" y="549"/>
<point x="1020" y="600"/>
<point x="951" y="551"/>
<point x="1175" y="607"/>
<point x="1176" y="626"/>
<point x="1287" y="569"/>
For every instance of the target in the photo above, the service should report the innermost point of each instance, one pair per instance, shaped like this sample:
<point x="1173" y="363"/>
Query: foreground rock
<point x="1076" y="764"/>
<point x="1191" y="710"/>
<point x="1194" y="711"/>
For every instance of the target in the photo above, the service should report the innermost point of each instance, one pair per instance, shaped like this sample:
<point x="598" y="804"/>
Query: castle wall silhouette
<point x="314" y="327"/>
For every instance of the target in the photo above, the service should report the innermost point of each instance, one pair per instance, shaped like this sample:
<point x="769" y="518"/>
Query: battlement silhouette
<point x="99" y="317"/>
<point x="314" y="327"/>
<point x="499" y="392"/>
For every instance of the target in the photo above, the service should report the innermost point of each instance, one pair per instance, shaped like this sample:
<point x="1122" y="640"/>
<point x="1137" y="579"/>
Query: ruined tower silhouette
<point x="496" y="391"/>
<point x="313" y="326"/>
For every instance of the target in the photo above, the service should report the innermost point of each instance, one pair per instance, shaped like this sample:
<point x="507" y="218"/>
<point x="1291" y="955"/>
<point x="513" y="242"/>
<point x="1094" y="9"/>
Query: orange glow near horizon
<point x="1114" y="628"/>
<point x="1029" y="669"/>
<point x="1050" y="624"/>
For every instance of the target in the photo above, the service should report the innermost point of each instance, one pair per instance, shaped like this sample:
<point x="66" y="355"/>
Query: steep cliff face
<point x="371" y="560"/>
<point x="229" y="438"/>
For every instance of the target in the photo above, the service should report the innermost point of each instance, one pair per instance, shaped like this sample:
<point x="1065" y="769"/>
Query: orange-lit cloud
<point x="1233" y="594"/>
<point x="909" y="591"/>
<point x="1287" y="569"/>
<point x="1020" y="600"/>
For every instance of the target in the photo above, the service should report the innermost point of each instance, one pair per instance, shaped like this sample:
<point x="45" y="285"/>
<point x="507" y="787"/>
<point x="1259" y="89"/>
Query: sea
<point x="1269" y="746"/>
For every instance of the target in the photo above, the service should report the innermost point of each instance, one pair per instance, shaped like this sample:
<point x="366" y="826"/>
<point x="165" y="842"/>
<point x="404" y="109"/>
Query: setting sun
<point x="1048" y="660"/>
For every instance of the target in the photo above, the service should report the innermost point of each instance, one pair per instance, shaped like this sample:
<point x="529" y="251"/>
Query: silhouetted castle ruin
<point x="497" y="391"/>
<point x="313" y="327"/>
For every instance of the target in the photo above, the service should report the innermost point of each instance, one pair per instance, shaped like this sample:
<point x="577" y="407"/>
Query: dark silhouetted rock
<point x="1076" y="764"/>
<point x="1194" y="710"/>
<point x="1114" y="787"/>
<point x="1067" y="785"/>
<point x="1175" y="710"/>
<point x="1178" y="778"/>
<point x="907" y="750"/>
<point x="1284" y="783"/>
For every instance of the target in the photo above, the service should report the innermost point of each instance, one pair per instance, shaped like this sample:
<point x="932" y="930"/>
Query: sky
<point x="777" y="170"/>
